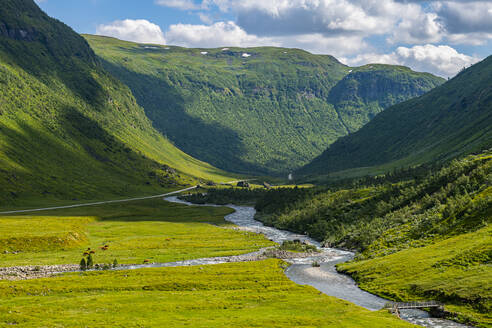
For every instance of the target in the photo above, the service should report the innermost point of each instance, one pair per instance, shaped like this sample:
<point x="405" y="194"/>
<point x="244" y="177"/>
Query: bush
<point x="297" y="246"/>
<point x="90" y="261"/>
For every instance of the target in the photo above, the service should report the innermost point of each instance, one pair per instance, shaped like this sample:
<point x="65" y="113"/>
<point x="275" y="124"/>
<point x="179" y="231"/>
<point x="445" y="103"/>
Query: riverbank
<point x="326" y="278"/>
<point x="46" y="271"/>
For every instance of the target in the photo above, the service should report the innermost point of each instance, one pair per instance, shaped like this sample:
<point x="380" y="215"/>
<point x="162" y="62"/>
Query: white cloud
<point x="215" y="35"/>
<point x="139" y="30"/>
<point x="205" y="18"/>
<point x="326" y="17"/>
<point x="474" y="39"/>
<point x="466" y="23"/>
<point x="343" y="28"/>
<point x="418" y="28"/>
<point x="180" y="4"/>
<point x="222" y="34"/>
<point x="407" y="22"/>
<point x="464" y="17"/>
<point x="440" y="60"/>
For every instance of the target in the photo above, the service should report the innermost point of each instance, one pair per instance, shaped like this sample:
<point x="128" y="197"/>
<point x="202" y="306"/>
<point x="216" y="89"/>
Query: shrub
<point x="83" y="264"/>
<point x="90" y="261"/>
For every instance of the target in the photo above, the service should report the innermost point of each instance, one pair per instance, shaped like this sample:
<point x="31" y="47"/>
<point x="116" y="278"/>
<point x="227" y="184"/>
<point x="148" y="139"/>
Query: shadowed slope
<point x="451" y="120"/>
<point x="68" y="129"/>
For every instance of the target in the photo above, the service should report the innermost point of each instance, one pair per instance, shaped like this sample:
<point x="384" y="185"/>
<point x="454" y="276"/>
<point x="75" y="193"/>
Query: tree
<point x="90" y="261"/>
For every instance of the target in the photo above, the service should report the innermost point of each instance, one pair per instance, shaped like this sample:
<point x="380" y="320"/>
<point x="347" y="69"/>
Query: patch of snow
<point x="204" y="52"/>
<point x="350" y="71"/>
<point x="246" y="55"/>
<point x="225" y="49"/>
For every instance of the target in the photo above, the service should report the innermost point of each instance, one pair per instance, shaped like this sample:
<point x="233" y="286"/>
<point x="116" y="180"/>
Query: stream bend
<point x="324" y="278"/>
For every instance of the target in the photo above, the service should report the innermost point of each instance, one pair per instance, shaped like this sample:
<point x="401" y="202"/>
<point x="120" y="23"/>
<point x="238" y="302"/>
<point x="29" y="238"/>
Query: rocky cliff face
<point x="23" y="20"/>
<point x="21" y="34"/>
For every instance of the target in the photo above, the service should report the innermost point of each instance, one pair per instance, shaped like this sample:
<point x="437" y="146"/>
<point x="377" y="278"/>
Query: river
<point x="324" y="278"/>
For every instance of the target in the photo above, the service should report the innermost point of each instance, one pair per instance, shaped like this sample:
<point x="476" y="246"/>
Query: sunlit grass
<point x="456" y="271"/>
<point x="153" y="229"/>
<point x="253" y="294"/>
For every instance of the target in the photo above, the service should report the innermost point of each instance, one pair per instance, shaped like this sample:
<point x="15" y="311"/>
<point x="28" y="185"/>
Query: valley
<point x="240" y="183"/>
<point x="265" y="114"/>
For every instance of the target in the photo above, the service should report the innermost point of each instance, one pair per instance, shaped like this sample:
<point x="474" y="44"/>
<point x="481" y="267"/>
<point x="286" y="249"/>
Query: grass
<point x="152" y="229"/>
<point x="456" y="271"/>
<point x="253" y="294"/>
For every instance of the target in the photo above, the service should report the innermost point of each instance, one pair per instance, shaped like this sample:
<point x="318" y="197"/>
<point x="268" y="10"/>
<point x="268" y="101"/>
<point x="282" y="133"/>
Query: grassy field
<point x="457" y="270"/>
<point x="135" y="231"/>
<point x="253" y="294"/>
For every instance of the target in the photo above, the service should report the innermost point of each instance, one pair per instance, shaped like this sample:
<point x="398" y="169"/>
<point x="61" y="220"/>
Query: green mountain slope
<point x="451" y="120"/>
<point x="68" y="129"/>
<point x="260" y="110"/>
<point x="421" y="234"/>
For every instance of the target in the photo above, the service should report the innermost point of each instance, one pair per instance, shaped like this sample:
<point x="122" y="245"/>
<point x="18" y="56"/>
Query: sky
<point x="441" y="37"/>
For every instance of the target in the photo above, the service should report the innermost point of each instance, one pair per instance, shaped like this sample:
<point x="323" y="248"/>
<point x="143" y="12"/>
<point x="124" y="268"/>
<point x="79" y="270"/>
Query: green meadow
<point x="251" y="294"/>
<point x="135" y="231"/>
<point x="456" y="270"/>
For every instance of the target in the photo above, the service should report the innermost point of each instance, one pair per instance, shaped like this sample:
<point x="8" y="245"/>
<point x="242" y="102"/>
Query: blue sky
<point x="436" y="36"/>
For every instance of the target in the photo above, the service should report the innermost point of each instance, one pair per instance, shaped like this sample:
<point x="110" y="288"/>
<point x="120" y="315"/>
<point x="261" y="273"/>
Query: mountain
<point x="451" y="120"/>
<point x="255" y="110"/>
<point x="68" y="129"/>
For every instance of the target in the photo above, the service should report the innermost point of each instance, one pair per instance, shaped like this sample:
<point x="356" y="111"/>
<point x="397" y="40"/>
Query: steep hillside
<point x="367" y="90"/>
<point x="69" y="130"/>
<point x="451" y="120"/>
<point x="261" y="110"/>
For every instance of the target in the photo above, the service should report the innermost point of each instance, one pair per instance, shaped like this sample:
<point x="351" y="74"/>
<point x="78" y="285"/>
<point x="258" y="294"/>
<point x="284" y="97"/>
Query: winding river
<point x="324" y="278"/>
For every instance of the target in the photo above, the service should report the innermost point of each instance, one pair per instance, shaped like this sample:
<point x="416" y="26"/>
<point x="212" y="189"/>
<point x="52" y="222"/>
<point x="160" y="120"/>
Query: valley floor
<point x="151" y="230"/>
<point x="253" y="294"/>
<point x="250" y="294"/>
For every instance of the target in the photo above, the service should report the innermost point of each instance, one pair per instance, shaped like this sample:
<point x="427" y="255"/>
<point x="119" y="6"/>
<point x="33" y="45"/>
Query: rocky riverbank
<point x="44" y="271"/>
<point x="35" y="272"/>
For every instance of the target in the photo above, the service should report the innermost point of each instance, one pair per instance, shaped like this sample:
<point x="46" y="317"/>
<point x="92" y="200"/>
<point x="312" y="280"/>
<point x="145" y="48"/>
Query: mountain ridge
<point x="270" y="104"/>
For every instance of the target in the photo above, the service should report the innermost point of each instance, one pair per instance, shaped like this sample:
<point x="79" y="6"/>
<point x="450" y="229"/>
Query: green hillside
<point x="421" y="233"/>
<point x="451" y="120"/>
<point x="256" y="110"/>
<point x="68" y="129"/>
